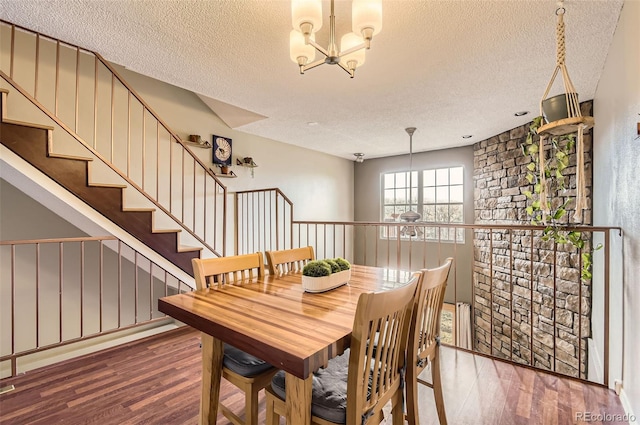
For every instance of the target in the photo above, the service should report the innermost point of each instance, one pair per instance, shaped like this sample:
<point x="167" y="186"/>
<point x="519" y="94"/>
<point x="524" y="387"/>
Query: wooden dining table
<point x="274" y="319"/>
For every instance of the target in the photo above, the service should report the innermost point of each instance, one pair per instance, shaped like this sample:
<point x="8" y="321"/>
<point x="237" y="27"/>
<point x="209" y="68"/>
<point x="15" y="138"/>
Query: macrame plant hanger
<point x="574" y="123"/>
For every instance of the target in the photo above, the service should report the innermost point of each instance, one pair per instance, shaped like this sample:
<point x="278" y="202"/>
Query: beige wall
<point x="305" y="176"/>
<point x="367" y="190"/>
<point x="616" y="193"/>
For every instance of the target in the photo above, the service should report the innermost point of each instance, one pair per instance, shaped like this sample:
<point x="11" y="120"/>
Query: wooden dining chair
<point x="248" y="373"/>
<point x="289" y="260"/>
<point x="355" y="386"/>
<point x="424" y="340"/>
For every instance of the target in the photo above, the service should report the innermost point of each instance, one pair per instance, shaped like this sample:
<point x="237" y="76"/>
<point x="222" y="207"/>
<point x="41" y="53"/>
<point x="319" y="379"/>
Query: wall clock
<point x="221" y="150"/>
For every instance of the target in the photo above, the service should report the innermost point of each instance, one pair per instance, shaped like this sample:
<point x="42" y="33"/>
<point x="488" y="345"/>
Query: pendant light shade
<point x="366" y="14"/>
<point x="301" y="53"/>
<point x="347" y="42"/>
<point x="306" y="11"/>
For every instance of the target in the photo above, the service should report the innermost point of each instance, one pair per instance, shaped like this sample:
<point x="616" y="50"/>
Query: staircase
<point x="108" y="142"/>
<point x="32" y="142"/>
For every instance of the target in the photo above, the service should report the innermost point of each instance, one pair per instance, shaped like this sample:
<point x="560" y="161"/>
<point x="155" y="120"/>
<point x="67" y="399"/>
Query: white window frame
<point x="437" y="194"/>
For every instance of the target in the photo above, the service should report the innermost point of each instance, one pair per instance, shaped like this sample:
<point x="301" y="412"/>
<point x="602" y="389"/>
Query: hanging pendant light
<point x="306" y="17"/>
<point x="410" y="216"/>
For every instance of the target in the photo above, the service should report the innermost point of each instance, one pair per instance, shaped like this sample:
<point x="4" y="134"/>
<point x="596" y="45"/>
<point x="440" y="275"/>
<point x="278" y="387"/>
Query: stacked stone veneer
<point x="508" y="265"/>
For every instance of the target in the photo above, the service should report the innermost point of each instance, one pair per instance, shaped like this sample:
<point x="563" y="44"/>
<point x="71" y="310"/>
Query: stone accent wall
<point x="507" y="310"/>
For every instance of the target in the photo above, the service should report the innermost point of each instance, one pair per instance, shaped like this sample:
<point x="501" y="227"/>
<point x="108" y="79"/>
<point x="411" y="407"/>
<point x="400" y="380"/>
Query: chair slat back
<point x="227" y="270"/>
<point x="289" y="260"/>
<point x="425" y="324"/>
<point x="375" y="369"/>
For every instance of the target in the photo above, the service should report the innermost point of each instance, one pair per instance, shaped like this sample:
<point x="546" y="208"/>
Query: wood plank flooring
<point x="157" y="381"/>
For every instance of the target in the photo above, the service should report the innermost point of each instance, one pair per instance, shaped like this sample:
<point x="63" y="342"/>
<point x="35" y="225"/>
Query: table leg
<point x="298" y="399"/>
<point x="212" y="354"/>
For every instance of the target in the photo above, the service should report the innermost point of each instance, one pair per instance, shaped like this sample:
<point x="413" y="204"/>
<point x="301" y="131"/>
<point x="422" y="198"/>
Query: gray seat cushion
<point x="243" y="363"/>
<point x="329" y="389"/>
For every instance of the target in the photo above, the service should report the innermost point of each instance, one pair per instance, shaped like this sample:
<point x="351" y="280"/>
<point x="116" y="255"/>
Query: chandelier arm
<point x="346" y="69"/>
<point x="353" y="49"/>
<point x="318" y="47"/>
<point x="313" y="65"/>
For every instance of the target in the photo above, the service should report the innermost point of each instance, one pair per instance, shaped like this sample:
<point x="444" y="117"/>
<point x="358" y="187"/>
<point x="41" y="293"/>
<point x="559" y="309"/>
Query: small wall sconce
<point x="359" y="157"/>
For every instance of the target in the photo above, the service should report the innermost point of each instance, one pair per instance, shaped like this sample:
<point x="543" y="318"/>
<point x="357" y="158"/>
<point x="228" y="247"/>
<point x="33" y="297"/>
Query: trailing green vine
<point x="554" y="216"/>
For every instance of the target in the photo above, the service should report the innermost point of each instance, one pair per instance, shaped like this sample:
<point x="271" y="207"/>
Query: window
<point x="435" y="194"/>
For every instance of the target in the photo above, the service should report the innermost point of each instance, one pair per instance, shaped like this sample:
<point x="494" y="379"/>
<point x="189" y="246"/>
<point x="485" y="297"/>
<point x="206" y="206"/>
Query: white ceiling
<point x="449" y="68"/>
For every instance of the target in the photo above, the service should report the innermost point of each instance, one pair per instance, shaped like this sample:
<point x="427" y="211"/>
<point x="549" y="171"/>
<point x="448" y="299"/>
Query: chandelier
<point x="307" y="20"/>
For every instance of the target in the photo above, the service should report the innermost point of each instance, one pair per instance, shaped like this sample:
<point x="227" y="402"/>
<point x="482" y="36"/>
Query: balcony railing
<point x="526" y="299"/>
<point x="62" y="291"/>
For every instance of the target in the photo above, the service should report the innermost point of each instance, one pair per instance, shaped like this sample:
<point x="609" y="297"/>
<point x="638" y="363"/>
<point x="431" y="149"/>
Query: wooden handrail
<point x="271" y="189"/>
<point x="459" y="225"/>
<point x="57" y="240"/>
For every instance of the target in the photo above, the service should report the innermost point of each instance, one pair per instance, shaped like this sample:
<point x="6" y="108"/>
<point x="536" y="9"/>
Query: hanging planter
<point x="561" y="116"/>
<point x="562" y="126"/>
<point x="556" y="108"/>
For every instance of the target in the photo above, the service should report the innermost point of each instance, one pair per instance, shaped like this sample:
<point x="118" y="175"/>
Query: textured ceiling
<point x="449" y="68"/>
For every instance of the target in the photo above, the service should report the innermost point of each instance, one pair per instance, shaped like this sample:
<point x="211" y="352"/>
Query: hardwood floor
<point x="157" y="381"/>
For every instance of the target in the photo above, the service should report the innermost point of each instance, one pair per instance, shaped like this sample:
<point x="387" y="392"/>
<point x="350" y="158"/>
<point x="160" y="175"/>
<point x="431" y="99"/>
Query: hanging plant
<point x="545" y="173"/>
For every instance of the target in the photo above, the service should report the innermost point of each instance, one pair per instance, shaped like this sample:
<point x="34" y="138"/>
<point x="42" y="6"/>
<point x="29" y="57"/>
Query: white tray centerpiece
<point x="323" y="275"/>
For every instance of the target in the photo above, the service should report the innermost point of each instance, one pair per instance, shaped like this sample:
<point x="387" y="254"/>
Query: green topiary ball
<point x="317" y="268"/>
<point x="335" y="267"/>
<point x="344" y="264"/>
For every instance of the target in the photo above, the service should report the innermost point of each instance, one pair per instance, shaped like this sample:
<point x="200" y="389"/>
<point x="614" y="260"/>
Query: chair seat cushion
<point x="243" y="363"/>
<point x="329" y="389"/>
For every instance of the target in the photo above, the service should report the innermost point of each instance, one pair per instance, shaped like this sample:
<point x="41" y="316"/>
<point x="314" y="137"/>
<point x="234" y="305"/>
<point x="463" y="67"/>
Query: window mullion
<point x="420" y="197"/>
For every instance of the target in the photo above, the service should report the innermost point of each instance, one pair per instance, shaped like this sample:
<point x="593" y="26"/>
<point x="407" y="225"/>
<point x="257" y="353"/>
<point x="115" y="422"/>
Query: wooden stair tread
<point x="166" y="230"/>
<point x="184" y="248"/>
<point x="71" y="157"/>
<point x="138" y="209"/>
<point x="115" y="185"/>
<point x="28" y="124"/>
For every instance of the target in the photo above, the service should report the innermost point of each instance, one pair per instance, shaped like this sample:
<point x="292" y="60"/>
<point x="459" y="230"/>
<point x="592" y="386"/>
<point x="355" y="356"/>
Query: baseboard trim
<point x="626" y="405"/>
<point x="86" y="347"/>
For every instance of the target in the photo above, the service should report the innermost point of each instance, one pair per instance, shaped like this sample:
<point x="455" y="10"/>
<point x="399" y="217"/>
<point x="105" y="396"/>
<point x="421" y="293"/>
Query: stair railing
<point x="139" y="146"/>
<point x="263" y="221"/>
<point x="65" y="290"/>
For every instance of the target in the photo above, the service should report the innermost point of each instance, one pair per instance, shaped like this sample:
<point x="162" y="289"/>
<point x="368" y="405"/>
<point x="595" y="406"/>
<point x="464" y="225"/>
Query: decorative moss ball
<point x="335" y="267"/>
<point x="344" y="264"/>
<point x="317" y="268"/>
